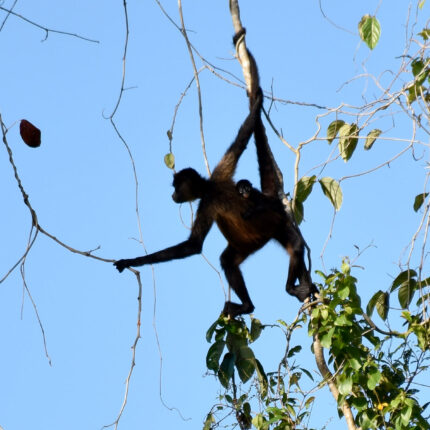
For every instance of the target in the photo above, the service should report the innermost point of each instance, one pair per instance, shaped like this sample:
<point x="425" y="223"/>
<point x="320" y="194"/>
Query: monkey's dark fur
<point x="244" y="188"/>
<point x="258" y="201"/>
<point x="220" y="202"/>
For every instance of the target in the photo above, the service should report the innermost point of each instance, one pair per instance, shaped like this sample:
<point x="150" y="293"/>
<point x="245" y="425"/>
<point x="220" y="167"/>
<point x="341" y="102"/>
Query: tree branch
<point x="46" y="29"/>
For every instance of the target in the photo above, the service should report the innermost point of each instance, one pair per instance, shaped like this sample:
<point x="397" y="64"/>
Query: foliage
<point x="285" y="404"/>
<point x="375" y="375"/>
<point x="418" y="89"/>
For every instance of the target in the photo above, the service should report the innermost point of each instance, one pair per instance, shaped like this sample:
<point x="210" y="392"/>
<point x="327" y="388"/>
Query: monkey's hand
<point x="122" y="264"/>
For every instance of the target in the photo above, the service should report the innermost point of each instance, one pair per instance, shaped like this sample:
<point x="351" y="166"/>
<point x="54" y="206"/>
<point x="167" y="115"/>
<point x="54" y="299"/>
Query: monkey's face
<point x="186" y="183"/>
<point x="182" y="192"/>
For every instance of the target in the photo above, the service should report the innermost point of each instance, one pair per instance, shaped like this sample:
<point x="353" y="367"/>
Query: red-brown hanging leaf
<point x="29" y="133"/>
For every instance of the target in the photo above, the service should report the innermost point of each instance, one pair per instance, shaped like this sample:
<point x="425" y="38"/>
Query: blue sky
<point x="81" y="185"/>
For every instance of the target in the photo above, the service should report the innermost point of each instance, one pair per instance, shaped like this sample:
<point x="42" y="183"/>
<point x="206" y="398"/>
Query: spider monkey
<point x="221" y="203"/>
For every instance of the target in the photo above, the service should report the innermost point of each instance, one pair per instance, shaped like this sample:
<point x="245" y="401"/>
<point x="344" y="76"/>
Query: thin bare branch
<point x="8" y="15"/>
<point x="45" y="29"/>
<point x="196" y="77"/>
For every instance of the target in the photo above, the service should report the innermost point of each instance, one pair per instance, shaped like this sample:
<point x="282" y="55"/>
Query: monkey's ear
<point x="29" y="133"/>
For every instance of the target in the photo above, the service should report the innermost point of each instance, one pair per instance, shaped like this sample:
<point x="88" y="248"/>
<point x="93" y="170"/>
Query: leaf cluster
<point x="277" y="392"/>
<point x="329" y="187"/>
<point x="230" y="353"/>
<point x="419" y="88"/>
<point x="407" y="286"/>
<point x="370" y="379"/>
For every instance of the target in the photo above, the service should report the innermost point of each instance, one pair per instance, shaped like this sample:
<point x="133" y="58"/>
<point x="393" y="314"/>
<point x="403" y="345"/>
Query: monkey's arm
<point x="181" y="250"/>
<point x="226" y="167"/>
<point x="193" y="245"/>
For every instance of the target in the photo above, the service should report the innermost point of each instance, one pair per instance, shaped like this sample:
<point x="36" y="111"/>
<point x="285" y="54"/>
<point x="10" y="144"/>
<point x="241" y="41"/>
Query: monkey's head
<point x="189" y="186"/>
<point x="244" y="188"/>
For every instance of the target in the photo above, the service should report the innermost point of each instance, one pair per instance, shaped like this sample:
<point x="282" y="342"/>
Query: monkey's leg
<point x="268" y="177"/>
<point x="230" y="261"/>
<point x="297" y="270"/>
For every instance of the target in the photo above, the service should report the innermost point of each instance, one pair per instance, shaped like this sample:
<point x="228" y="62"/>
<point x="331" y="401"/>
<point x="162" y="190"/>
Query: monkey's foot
<point x="234" y="309"/>
<point x="303" y="291"/>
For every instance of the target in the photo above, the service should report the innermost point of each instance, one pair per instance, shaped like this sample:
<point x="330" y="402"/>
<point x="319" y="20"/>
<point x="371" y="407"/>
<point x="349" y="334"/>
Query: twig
<point x="332" y="22"/>
<point x="33" y="303"/>
<point x="196" y="77"/>
<point x="8" y="15"/>
<point x="133" y="355"/>
<point x="47" y="30"/>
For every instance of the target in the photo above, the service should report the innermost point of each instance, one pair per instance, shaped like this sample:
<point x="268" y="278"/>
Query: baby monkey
<point x="259" y="202"/>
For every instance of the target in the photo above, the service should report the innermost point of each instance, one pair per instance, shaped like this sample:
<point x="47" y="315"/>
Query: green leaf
<point x="342" y="321"/>
<point x="229" y="399"/>
<point x="309" y="402"/>
<point x="324" y="313"/>
<point x="371" y="138"/>
<point x="245" y="363"/>
<point x="343" y="292"/>
<point x="326" y="338"/>
<point x="256" y="329"/>
<point x="169" y="160"/>
<point x="370" y="30"/>
<point x="226" y="369"/>
<point x="307" y="373"/>
<point x="259" y="422"/>
<point x="382" y="302"/>
<point x="354" y="364"/>
<point x="210" y="419"/>
<point x="333" y="129"/>
<point x="413" y="93"/>
<point x="373" y="378"/>
<point x="406" y="293"/>
<point x="419" y="200"/>
<point x="298" y="211"/>
<point x="348" y="139"/>
<point x="406" y="415"/>
<point x="304" y="187"/>
<point x="383" y="305"/>
<point x="344" y="384"/>
<point x="425" y="283"/>
<point x="360" y="403"/>
<point x="419" y="71"/>
<point x="293" y="351"/>
<point x="214" y="354"/>
<point x="332" y="190"/>
<point x="247" y="408"/>
<point x="345" y="268"/>
<point x="211" y="331"/>
<point x="262" y="379"/>
<point x="402" y="278"/>
<point x="425" y="34"/>
<point x="372" y="303"/>
<point x="368" y="420"/>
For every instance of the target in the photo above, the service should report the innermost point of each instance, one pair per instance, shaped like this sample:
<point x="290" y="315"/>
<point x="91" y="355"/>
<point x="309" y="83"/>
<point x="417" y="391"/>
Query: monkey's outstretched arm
<point x="181" y="250"/>
<point x="193" y="245"/>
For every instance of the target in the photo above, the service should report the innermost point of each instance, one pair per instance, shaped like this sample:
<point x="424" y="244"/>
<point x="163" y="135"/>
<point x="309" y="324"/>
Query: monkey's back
<point x="245" y="234"/>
